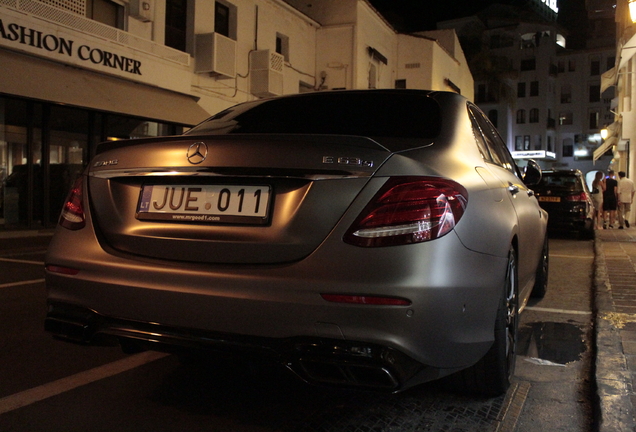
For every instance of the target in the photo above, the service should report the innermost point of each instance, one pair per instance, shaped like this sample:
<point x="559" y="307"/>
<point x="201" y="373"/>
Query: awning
<point x="627" y="52"/>
<point x="608" y="79"/>
<point x="34" y="78"/>
<point x="603" y="148"/>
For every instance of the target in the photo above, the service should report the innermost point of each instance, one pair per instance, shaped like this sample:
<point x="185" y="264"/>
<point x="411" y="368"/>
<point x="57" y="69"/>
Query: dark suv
<point x="566" y="197"/>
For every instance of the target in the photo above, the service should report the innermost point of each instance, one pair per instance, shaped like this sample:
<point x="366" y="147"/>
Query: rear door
<point x="527" y="209"/>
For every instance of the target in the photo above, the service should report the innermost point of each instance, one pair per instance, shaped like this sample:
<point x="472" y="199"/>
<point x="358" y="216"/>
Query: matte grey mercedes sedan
<point x="371" y="238"/>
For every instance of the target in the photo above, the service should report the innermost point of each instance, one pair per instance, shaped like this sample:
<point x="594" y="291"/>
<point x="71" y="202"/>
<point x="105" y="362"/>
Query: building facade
<point x="79" y="72"/>
<point x="545" y="98"/>
<point x="623" y="79"/>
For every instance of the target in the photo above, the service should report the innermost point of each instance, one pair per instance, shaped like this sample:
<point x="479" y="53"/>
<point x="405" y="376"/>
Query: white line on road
<point x="28" y="397"/>
<point x="14" y="284"/>
<point x="563" y="311"/>
<point x="22" y="261"/>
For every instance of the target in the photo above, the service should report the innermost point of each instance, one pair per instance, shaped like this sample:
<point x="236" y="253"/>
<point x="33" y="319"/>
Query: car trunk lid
<point x="239" y="199"/>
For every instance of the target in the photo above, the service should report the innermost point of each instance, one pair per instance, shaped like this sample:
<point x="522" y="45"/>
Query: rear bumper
<point x="315" y="360"/>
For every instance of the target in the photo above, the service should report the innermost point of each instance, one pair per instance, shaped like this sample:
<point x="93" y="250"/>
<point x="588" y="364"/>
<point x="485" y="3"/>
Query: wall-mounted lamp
<point x="632" y="9"/>
<point x="604" y="133"/>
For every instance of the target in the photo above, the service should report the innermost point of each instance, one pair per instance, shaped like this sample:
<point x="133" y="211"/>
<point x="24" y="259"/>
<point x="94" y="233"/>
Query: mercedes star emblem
<point x="197" y="152"/>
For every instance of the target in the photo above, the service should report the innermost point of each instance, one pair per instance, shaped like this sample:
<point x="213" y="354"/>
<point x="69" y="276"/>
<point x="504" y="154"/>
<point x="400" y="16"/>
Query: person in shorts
<point x="598" y="188"/>
<point x="625" y="197"/>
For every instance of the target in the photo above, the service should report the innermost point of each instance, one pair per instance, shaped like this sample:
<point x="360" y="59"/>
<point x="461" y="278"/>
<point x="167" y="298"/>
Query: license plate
<point x="550" y="199"/>
<point x="234" y="204"/>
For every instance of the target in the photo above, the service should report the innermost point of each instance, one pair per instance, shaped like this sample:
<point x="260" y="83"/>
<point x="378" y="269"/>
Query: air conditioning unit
<point x="215" y="54"/>
<point x="266" y="73"/>
<point x="143" y="10"/>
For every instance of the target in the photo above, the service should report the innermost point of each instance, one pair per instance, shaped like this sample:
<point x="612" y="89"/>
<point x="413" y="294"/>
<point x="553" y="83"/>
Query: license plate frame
<point x="205" y="204"/>
<point x="555" y="199"/>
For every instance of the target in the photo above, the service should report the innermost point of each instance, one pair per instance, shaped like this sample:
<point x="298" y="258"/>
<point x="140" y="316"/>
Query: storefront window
<point x="68" y="142"/>
<point x="44" y="147"/>
<point x="20" y="154"/>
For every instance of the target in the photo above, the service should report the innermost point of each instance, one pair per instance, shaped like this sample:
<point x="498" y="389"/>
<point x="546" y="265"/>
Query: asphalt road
<point x="49" y="385"/>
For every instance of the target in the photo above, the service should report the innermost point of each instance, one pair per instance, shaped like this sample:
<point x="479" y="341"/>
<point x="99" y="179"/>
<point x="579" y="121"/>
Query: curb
<point x="612" y="375"/>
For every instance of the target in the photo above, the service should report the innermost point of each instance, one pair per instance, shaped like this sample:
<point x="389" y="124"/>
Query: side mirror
<point x="532" y="173"/>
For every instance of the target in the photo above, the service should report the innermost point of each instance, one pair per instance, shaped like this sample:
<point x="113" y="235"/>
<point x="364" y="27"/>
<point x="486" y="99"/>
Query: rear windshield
<point x="369" y="114"/>
<point x="563" y="182"/>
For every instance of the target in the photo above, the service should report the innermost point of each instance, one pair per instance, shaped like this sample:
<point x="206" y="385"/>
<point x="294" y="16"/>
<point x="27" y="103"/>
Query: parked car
<point x="565" y="196"/>
<point x="374" y="239"/>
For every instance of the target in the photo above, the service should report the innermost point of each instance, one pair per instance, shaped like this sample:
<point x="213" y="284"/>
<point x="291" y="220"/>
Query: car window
<point x="564" y="182"/>
<point x="496" y="146"/>
<point x="479" y="138"/>
<point x="369" y="114"/>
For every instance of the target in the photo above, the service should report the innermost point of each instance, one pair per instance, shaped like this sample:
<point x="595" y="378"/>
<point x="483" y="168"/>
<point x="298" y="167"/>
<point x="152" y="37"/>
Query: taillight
<point x="577" y="198"/>
<point x="61" y="270"/>
<point x="72" y="216"/>
<point x="409" y="210"/>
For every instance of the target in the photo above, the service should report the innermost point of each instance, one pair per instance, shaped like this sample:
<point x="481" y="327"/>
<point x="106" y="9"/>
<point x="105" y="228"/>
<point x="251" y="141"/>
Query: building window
<point x="282" y="45"/>
<point x="611" y="62"/>
<point x="565" y="118"/>
<point x="493" y="116"/>
<point x="521" y="89"/>
<point x="534" y="115"/>
<point x="106" y="12"/>
<point x="595" y="93"/>
<point x="400" y="84"/>
<point x="176" y="24"/>
<point x="225" y="15"/>
<point x="522" y="142"/>
<point x="521" y="116"/>
<point x="595" y="67"/>
<point x="534" y="88"/>
<point x="572" y="66"/>
<point x="528" y="64"/>
<point x="566" y="93"/>
<point x="568" y="147"/>
<point x="594" y="119"/>
<point x="222" y="19"/>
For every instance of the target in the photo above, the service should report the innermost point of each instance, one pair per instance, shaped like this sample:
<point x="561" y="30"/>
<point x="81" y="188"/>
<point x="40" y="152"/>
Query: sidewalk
<point x="615" y="304"/>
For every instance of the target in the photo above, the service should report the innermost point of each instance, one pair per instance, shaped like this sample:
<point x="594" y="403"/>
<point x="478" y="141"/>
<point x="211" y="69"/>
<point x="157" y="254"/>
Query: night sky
<point x="415" y="15"/>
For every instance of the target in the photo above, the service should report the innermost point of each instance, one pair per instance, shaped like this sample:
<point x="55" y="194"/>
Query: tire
<point x="541" y="278"/>
<point x="491" y="376"/>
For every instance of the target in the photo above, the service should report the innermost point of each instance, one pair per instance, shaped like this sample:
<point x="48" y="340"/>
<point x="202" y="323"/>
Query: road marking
<point x="36" y="394"/>
<point x="14" y="284"/>
<point x="21" y="261"/>
<point x="572" y="256"/>
<point x="563" y="311"/>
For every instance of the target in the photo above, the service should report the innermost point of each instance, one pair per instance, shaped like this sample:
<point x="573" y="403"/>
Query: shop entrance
<point x="44" y="147"/>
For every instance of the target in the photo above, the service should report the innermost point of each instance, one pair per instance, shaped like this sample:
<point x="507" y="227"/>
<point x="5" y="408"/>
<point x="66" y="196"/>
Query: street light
<point x="632" y="9"/>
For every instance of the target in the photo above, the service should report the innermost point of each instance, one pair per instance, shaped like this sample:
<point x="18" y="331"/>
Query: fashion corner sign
<point x="20" y="36"/>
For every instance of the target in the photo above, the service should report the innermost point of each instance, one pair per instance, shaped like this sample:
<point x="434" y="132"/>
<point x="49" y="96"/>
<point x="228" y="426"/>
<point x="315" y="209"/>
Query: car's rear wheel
<point x="492" y="374"/>
<point x="541" y="278"/>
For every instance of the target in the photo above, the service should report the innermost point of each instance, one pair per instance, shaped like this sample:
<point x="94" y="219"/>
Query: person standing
<point x="610" y="202"/>
<point x="598" y="189"/>
<point x="625" y="197"/>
